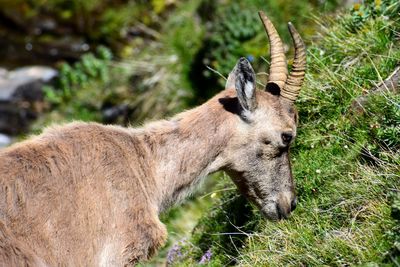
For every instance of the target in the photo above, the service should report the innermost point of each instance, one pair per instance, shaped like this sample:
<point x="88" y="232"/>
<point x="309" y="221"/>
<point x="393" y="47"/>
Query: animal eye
<point x="266" y="141"/>
<point x="286" y="137"/>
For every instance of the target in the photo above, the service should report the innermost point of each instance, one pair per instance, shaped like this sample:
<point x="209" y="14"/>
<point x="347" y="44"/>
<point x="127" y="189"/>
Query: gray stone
<point x="3" y="72"/>
<point x="20" y="93"/>
<point x="5" y="140"/>
<point x="390" y="84"/>
<point x="10" y="81"/>
<point x="41" y="73"/>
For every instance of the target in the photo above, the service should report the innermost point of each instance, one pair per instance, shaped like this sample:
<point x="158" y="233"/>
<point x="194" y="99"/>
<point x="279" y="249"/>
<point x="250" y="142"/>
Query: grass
<point x="346" y="163"/>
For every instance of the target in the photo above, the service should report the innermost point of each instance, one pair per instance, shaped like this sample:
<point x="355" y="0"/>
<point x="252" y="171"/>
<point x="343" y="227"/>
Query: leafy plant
<point x="360" y="13"/>
<point x="73" y="77"/>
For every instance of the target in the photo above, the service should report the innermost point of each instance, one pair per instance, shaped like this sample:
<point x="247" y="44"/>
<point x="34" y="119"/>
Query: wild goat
<point x="85" y="194"/>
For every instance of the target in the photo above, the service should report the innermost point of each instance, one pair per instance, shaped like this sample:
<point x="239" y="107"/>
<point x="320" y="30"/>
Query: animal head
<point x="258" y="153"/>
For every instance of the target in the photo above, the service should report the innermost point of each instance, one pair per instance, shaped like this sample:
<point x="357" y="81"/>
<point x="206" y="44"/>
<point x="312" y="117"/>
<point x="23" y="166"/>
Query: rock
<point x="3" y="72"/>
<point x="23" y="77"/>
<point x="390" y="84"/>
<point x="42" y="73"/>
<point x="46" y="24"/>
<point x="20" y="94"/>
<point x="115" y="114"/>
<point x="15" y="117"/>
<point x="5" y="140"/>
<point x="30" y="92"/>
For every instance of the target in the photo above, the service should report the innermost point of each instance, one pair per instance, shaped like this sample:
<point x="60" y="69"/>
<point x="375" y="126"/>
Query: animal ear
<point x="243" y="79"/>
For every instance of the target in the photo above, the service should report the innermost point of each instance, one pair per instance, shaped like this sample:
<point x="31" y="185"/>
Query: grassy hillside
<point x="346" y="162"/>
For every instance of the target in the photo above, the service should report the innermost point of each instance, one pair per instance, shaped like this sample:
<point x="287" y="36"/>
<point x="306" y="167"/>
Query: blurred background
<point x="125" y="61"/>
<point x="130" y="61"/>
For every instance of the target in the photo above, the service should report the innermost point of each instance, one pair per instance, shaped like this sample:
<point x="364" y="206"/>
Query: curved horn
<point x="296" y="76"/>
<point x="278" y="70"/>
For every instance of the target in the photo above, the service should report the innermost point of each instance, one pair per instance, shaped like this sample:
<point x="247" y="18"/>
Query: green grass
<point x="346" y="163"/>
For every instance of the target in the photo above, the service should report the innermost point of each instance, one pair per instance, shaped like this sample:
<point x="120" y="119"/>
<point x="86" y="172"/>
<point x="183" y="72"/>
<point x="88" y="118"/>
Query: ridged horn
<point x="296" y="77"/>
<point x="278" y="70"/>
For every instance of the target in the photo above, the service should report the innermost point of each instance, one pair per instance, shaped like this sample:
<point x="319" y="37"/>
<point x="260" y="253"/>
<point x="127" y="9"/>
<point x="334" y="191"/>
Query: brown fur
<point x="85" y="194"/>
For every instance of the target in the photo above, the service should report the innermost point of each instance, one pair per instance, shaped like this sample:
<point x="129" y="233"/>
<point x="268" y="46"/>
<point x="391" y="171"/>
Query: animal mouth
<point x="281" y="213"/>
<point x="274" y="212"/>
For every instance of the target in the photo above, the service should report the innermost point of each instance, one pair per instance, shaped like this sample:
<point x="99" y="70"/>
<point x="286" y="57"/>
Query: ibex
<point x="85" y="194"/>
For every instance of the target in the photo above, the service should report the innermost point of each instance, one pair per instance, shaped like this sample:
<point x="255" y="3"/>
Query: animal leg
<point x="148" y="236"/>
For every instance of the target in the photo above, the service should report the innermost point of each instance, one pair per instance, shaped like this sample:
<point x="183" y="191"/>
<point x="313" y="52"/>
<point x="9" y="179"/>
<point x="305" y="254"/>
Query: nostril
<point x="279" y="212"/>
<point x="293" y="204"/>
<point x="286" y="137"/>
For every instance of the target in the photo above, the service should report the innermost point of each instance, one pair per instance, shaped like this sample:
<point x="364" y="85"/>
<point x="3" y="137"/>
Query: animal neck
<point x="187" y="148"/>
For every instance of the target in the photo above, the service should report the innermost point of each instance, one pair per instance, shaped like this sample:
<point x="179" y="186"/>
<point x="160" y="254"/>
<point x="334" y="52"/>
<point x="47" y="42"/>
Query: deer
<point x="87" y="194"/>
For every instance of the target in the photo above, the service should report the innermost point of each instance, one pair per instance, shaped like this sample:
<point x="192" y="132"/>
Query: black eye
<point x="266" y="141"/>
<point x="286" y="137"/>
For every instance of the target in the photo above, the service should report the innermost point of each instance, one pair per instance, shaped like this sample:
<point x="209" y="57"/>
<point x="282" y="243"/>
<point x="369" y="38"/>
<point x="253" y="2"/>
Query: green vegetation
<point x="234" y="30"/>
<point x="346" y="162"/>
<point x="151" y="81"/>
<point x="107" y="22"/>
<point x="167" y="67"/>
<point x="69" y="95"/>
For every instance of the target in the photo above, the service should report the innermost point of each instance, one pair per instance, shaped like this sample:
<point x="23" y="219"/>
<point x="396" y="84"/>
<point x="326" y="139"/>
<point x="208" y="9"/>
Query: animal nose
<point x="293" y="204"/>
<point x="286" y="203"/>
<point x="286" y="137"/>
